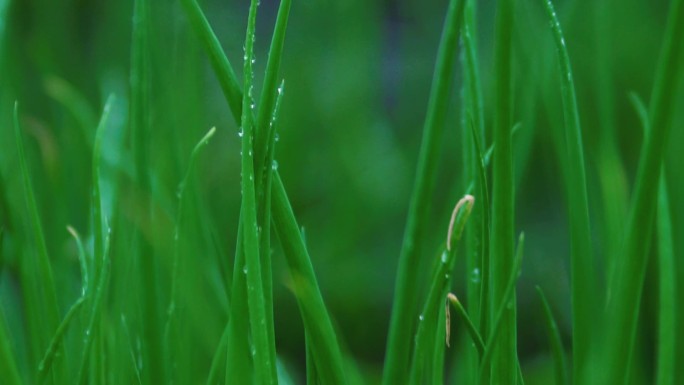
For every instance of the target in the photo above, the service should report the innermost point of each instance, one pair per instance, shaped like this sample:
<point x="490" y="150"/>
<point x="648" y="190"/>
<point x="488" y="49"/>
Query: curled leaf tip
<point x="452" y="298"/>
<point x="467" y="199"/>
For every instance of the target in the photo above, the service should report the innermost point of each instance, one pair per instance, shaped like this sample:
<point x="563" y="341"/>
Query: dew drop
<point x="421" y="318"/>
<point x="475" y="275"/>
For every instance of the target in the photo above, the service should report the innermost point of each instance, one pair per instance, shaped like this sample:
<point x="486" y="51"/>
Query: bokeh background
<point x="357" y="75"/>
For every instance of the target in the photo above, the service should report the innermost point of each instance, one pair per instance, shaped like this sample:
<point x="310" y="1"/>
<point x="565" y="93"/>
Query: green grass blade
<point x="665" y="357"/>
<point x="667" y="326"/>
<point x="91" y="329"/>
<point x="238" y="364"/>
<point x="8" y="363"/>
<point x="265" y="368"/>
<point x="476" y="260"/>
<point x="623" y="307"/>
<point x="439" y="286"/>
<point x="470" y="326"/>
<point x="502" y="259"/>
<point x="486" y="220"/>
<point x="2" y="238"/>
<point x="219" y="356"/>
<point x="179" y="234"/>
<point x="83" y="261"/>
<point x="555" y="340"/>
<point x="497" y="321"/>
<point x="642" y="112"/>
<point x="99" y="227"/>
<point x="47" y="295"/>
<point x="327" y="354"/>
<point x="477" y="237"/>
<point x="75" y="102"/>
<point x="311" y="374"/>
<point x="582" y="272"/>
<point x="46" y="363"/>
<point x="436" y="370"/>
<point x="265" y="174"/>
<point x="217" y="58"/>
<point x="92" y="333"/>
<point x="269" y="93"/>
<point x="140" y="131"/>
<point x="405" y="298"/>
<point x="324" y="341"/>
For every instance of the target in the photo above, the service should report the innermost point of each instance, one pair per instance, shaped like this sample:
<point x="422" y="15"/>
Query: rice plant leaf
<point x="99" y="226"/>
<point x="486" y="220"/>
<point x="405" y="298"/>
<point x="502" y="258"/>
<point x="46" y="294"/>
<point x="90" y="331"/>
<point x="265" y="368"/>
<point x="477" y="237"/>
<point x="317" y="321"/>
<point x="559" y="362"/>
<point x="667" y="325"/>
<point x="265" y="175"/>
<point x="582" y="272"/>
<point x="218" y="357"/>
<point x="217" y="58"/>
<point x="269" y="92"/>
<point x="667" y="309"/>
<point x="179" y="234"/>
<point x="324" y="340"/>
<point x="624" y="305"/>
<point x="470" y="326"/>
<point x="8" y="362"/>
<point x="497" y="321"/>
<point x="46" y="363"/>
<point x="311" y="373"/>
<point x="140" y="132"/>
<point x="439" y="286"/>
<point x="75" y="102"/>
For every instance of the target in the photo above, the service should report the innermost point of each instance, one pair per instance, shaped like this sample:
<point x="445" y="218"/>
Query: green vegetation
<point x="105" y="109"/>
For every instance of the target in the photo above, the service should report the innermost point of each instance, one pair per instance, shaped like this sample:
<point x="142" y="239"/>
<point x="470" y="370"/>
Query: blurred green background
<point x="357" y="77"/>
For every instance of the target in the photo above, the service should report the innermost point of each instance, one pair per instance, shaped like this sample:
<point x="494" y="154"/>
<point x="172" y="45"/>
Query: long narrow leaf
<point x="582" y="272"/>
<point x="323" y="341"/>
<point x="179" y="234"/>
<point x="219" y="61"/>
<point x="556" y="342"/>
<point x="497" y="321"/>
<point x="8" y="362"/>
<point x="323" y="337"/>
<point x="502" y="259"/>
<point x="667" y="326"/>
<point x="623" y="308"/>
<point x="265" y="368"/>
<point x="46" y="296"/>
<point x="405" y="298"/>
<point x="439" y="286"/>
<point x="666" y="270"/>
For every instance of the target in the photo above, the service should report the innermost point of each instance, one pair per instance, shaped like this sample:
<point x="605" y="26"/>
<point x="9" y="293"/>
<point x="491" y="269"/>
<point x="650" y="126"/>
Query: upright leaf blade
<point x="405" y="298"/>
<point x="503" y="369"/>
<point x="582" y="272"/>
<point x="624" y="305"/>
